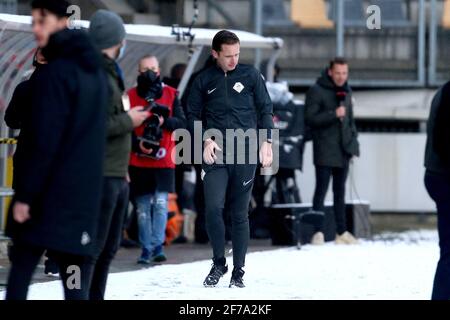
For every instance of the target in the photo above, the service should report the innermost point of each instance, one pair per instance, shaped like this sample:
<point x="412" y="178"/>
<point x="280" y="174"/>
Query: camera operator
<point x="152" y="170"/>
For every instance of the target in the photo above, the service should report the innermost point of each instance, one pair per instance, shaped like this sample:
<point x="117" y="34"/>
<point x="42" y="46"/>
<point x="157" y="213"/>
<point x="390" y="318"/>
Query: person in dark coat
<point x="329" y="114"/>
<point x="14" y="118"/>
<point x="437" y="182"/>
<point x="57" y="191"/>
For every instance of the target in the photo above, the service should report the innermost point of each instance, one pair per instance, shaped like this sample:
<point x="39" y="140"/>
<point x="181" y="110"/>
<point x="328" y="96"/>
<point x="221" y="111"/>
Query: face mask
<point x="149" y="85"/>
<point x="122" y="52"/>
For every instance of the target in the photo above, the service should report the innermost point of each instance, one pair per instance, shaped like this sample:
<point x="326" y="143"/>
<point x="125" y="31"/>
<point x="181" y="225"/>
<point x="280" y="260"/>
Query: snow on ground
<point x="392" y="266"/>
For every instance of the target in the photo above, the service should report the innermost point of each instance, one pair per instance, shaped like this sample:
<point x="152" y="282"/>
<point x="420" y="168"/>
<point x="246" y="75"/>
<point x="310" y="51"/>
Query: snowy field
<point x="392" y="266"/>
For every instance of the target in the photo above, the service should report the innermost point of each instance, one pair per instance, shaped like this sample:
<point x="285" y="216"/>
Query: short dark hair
<point x="56" y="7"/>
<point x="224" y="37"/>
<point x="337" y="60"/>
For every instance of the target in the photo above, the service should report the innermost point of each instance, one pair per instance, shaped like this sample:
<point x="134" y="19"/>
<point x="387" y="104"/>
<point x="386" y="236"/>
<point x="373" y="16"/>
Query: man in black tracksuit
<point x="225" y="96"/>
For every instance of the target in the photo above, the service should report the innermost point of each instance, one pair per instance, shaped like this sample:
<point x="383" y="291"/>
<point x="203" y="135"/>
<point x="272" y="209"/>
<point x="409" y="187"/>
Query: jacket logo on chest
<point x="238" y="87"/>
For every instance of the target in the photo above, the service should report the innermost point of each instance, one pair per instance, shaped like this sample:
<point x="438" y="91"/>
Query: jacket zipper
<point x="226" y="101"/>
<point x="228" y="109"/>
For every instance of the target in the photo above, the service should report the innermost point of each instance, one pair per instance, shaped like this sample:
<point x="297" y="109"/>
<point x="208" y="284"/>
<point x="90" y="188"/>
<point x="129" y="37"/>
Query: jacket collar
<point x="114" y="70"/>
<point x="73" y="45"/>
<point x="220" y="70"/>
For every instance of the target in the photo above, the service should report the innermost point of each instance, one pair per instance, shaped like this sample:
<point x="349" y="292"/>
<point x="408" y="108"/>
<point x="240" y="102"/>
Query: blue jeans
<point x="438" y="187"/>
<point x="152" y="211"/>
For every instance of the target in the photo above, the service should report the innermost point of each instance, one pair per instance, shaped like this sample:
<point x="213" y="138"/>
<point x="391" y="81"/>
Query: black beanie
<point x="57" y="7"/>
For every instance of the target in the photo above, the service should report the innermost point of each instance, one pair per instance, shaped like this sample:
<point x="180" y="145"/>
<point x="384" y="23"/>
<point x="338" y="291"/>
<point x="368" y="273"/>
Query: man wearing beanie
<point x="58" y="167"/>
<point x="108" y="34"/>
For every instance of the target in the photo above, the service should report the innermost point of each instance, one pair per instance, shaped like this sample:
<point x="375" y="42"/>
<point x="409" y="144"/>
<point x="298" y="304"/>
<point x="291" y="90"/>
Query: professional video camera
<point x="150" y="89"/>
<point x="153" y="133"/>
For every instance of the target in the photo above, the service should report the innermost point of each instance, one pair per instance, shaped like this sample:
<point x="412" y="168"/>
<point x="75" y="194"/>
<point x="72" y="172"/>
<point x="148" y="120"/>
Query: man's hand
<point x="138" y="116"/>
<point x="266" y="154"/>
<point x="209" y="154"/>
<point x="341" y="112"/>
<point x="161" y="120"/>
<point x="21" y="212"/>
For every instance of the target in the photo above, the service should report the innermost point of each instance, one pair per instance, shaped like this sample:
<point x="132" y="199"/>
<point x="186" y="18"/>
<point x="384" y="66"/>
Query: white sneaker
<point x="318" y="239"/>
<point x="346" y="238"/>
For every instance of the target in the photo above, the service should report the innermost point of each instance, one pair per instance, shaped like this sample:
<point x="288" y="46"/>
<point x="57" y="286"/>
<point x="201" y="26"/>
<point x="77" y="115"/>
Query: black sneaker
<point x="217" y="272"/>
<point x="236" y="278"/>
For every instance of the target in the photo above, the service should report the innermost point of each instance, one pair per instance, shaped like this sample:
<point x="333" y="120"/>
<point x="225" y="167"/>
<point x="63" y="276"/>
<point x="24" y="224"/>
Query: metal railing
<point x="8" y="6"/>
<point x="407" y="52"/>
<point x="420" y="81"/>
<point x="439" y="62"/>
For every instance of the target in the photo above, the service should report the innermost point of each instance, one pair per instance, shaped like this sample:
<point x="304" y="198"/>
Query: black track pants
<point x="228" y="187"/>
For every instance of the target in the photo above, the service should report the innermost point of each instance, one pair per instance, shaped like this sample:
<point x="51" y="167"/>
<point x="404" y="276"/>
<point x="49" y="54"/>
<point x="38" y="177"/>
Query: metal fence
<point x="396" y="21"/>
<point x="8" y="6"/>
<point x="431" y="18"/>
<point x="391" y="55"/>
<point x="409" y="49"/>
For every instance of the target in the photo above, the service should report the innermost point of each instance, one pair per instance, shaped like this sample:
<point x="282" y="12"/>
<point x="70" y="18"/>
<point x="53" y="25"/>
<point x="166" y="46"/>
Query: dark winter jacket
<point x="17" y="114"/>
<point x="437" y="154"/>
<point x="120" y="125"/>
<point x="176" y="120"/>
<point x="334" y="141"/>
<point x="62" y="150"/>
<point x="19" y="104"/>
<point x="234" y="100"/>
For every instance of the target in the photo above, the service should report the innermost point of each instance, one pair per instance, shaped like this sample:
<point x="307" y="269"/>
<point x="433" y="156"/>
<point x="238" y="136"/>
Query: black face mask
<point x="149" y="85"/>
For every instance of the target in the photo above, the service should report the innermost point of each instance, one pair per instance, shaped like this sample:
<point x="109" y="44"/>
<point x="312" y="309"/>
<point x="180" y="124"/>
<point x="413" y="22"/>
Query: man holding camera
<point x="152" y="170"/>
<point x="329" y="113"/>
